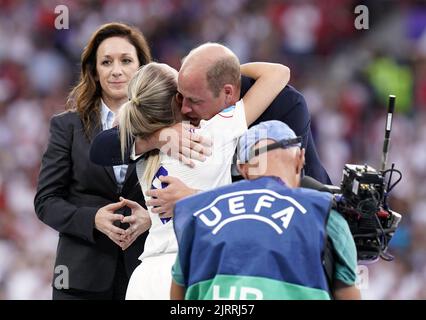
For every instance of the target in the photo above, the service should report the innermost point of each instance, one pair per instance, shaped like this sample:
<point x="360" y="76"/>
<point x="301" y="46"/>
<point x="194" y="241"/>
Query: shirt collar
<point x="104" y="112"/>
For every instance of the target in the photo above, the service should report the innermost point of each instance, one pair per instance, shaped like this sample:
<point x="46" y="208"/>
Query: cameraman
<point x="264" y="237"/>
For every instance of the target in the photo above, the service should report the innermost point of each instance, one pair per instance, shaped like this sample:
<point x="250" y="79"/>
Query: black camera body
<point x="361" y="199"/>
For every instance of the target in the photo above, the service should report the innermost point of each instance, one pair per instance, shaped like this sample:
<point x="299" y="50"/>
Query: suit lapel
<point x="109" y="170"/>
<point x="131" y="167"/>
<point x="131" y="181"/>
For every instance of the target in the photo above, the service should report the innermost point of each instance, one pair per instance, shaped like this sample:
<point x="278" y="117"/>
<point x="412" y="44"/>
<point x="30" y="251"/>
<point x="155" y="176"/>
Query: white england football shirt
<point x="224" y="129"/>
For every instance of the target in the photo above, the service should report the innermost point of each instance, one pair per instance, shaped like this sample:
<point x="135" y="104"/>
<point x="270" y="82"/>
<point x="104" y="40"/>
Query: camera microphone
<point x="391" y="108"/>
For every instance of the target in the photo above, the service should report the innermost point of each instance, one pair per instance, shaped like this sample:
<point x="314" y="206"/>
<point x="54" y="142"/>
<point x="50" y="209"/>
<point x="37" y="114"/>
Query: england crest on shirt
<point x="157" y="184"/>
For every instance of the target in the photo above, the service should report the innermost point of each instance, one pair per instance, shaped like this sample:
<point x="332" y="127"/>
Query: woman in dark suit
<point x="80" y="199"/>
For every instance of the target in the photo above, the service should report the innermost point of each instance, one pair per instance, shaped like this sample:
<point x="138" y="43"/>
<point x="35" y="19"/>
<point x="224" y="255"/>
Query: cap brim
<point x="105" y="149"/>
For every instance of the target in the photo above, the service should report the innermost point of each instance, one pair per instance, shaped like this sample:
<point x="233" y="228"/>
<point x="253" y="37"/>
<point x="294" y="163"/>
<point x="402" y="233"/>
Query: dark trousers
<point x="116" y="292"/>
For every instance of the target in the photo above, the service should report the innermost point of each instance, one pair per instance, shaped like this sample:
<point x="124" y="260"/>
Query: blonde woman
<point x="155" y="103"/>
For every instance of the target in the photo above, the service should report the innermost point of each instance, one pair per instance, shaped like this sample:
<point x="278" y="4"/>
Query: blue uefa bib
<point x="258" y="228"/>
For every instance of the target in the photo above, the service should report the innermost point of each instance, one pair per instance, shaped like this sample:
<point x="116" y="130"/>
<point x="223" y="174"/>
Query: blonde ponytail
<point x="150" y="108"/>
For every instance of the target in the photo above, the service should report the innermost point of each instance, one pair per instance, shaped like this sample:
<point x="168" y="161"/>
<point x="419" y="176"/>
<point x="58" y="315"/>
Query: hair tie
<point x="135" y="100"/>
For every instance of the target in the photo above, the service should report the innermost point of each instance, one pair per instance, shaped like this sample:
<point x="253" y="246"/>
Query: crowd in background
<point x="344" y="73"/>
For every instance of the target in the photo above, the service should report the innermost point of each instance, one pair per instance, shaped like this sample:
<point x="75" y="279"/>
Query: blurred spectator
<point x="346" y="85"/>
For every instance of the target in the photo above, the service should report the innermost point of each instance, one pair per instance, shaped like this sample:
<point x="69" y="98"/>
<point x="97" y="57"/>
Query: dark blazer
<point x="290" y="107"/>
<point x="70" y="191"/>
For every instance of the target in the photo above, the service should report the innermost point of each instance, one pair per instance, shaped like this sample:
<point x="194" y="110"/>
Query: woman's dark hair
<point x="85" y="96"/>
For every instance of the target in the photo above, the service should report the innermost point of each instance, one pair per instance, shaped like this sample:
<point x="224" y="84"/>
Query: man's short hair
<point x="225" y="70"/>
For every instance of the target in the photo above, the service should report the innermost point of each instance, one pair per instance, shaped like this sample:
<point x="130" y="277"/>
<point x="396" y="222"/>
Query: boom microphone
<point x="388" y="129"/>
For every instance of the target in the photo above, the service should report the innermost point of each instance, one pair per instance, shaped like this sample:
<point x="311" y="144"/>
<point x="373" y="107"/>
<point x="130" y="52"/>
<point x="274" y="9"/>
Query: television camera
<point x="362" y="200"/>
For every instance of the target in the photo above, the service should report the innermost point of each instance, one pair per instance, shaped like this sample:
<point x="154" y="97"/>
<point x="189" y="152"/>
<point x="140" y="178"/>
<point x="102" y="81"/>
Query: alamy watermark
<point x="362" y="277"/>
<point x="62" y="20"/>
<point x="362" y="20"/>
<point x="62" y="277"/>
<point x="220" y="152"/>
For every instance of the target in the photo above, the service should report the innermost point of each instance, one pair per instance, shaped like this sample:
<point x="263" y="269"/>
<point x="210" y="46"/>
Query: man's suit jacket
<point x="290" y="107"/>
<point x="70" y="191"/>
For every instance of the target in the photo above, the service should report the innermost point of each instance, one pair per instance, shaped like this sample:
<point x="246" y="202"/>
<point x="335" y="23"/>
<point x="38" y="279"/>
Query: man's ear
<point x="243" y="169"/>
<point x="229" y="93"/>
<point x="300" y="160"/>
<point x="229" y="89"/>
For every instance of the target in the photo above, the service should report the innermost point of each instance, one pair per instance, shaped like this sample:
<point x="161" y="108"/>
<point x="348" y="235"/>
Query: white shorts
<point x="152" y="279"/>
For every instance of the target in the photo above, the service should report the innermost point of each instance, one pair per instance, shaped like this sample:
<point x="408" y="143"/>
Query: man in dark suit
<point x="205" y="88"/>
<point x="70" y="193"/>
<point x="203" y="83"/>
<point x="290" y="107"/>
